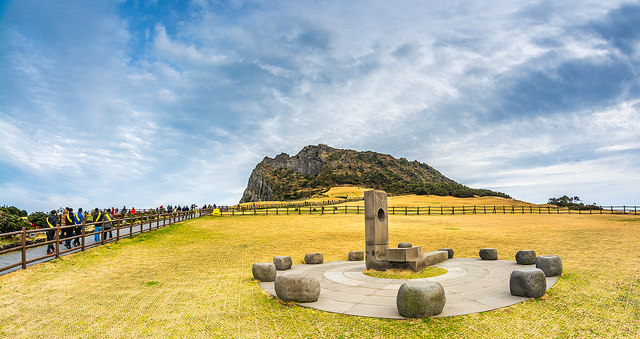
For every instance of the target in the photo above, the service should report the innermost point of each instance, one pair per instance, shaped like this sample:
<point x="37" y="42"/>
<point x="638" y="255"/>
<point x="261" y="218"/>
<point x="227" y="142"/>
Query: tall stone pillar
<point x="376" y="223"/>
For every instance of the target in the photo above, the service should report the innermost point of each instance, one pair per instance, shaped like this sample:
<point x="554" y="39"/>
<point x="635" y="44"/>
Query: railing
<point x="433" y="210"/>
<point x="294" y="203"/>
<point x="123" y="227"/>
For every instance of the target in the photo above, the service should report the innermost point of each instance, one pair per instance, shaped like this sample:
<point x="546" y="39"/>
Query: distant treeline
<point x="572" y="202"/>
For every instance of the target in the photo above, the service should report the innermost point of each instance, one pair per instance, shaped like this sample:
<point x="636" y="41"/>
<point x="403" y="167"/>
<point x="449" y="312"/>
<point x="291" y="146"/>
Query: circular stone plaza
<point x="471" y="285"/>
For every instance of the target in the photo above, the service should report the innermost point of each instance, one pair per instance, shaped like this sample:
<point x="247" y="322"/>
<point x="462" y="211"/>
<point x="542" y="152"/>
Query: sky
<point x="147" y="103"/>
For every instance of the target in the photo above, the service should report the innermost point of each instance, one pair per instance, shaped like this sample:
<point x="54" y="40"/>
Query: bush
<point x="11" y="223"/>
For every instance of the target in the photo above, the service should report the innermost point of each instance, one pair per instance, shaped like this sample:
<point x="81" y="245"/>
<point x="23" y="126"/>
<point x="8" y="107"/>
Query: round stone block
<point x="526" y="257"/>
<point x="449" y="252"/>
<point x="419" y="299"/>
<point x="356" y="255"/>
<point x="264" y="271"/>
<point x="297" y="288"/>
<point x="528" y="282"/>
<point x="489" y="254"/>
<point x="551" y="265"/>
<point x="313" y="258"/>
<point x="282" y="262"/>
<point x="405" y="244"/>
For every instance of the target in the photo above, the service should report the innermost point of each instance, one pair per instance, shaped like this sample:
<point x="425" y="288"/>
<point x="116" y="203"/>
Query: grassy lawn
<point x="194" y="279"/>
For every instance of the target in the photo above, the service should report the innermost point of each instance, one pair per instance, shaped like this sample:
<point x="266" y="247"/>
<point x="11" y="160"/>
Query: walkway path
<point x="470" y="285"/>
<point x="36" y="252"/>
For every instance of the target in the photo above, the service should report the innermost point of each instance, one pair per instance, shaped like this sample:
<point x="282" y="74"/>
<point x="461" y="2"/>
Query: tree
<point x="38" y="218"/>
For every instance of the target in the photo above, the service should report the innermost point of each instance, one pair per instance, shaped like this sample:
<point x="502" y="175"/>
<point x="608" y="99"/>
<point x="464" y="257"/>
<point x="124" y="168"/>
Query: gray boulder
<point x="551" y="265"/>
<point x="528" y="282"/>
<point x="405" y="244"/>
<point x="282" y="262"/>
<point x="264" y="271"/>
<point x="526" y="257"/>
<point x="419" y="299"/>
<point x="489" y="254"/>
<point x="449" y="252"/>
<point x="356" y="255"/>
<point x="313" y="258"/>
<point x="297" y="288"/>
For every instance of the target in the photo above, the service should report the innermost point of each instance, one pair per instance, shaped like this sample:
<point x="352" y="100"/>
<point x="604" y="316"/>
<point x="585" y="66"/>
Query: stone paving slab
<point x="471" y="285"/>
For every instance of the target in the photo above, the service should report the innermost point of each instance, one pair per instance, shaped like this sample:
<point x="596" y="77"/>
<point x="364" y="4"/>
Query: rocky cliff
<point x="317" y="168"/>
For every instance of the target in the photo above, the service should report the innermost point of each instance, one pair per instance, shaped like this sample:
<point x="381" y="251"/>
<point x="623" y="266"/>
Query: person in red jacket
<point x="133" y="210"/>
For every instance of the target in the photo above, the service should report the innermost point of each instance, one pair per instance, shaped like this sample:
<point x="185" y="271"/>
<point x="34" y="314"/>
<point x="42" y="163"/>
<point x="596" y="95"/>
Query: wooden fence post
<point x="57" y="241"/>
<point x="24" y="249"/>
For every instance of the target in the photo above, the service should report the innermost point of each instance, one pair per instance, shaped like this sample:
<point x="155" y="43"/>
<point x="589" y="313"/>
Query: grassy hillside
<point x="194" y="280"/>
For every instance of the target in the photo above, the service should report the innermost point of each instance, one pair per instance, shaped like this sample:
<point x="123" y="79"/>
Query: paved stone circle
<point x="471" y="285"/>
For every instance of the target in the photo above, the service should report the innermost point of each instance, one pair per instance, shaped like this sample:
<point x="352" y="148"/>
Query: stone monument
<point x="378" y="254"/>
<point x="376" y="226"/>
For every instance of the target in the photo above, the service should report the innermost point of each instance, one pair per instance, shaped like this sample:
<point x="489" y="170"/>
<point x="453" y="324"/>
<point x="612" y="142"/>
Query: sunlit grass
<point x="194" y="280"/>
<point x="395" y="273"/>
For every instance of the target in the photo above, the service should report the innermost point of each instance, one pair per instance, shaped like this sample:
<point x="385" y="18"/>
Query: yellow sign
<point x="215" y="211"/>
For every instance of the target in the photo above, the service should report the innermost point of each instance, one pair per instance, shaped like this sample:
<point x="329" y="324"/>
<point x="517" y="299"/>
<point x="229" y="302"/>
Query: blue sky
<point x="143" y="103"/>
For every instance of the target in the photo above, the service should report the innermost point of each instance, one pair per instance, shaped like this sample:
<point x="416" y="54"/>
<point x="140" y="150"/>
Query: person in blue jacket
<point x="97" y="216"/>
<point x="78" y="219"/>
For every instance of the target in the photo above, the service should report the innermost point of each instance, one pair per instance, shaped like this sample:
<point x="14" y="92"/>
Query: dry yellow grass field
<point x="194" y="280"/>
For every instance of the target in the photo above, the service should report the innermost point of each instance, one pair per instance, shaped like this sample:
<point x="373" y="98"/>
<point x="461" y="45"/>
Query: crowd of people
<point x="107" y="217"/>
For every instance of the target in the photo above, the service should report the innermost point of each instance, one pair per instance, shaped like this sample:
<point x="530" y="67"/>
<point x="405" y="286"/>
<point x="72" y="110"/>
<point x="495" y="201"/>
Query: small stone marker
<point x="405" y="244"/>
<point x="282" y="262"/>
<point x="526" y="257"/>
<point x="449" y="252"/>
<point x="419" y="299"/>
<point x="264" y="271"/>
<point x="297" y="288"/>
<point x="551" y="265"/>
<point x="356" y="255"/>
<point x="528" y="282"/>
<point x="489" y="254"/>
<point x="313" y="258"/>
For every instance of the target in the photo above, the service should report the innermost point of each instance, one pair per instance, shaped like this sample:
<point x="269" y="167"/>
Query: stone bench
<point x="264" y="271"/>
<point x="551" y="265"/>
<point x="282" y="262"/>
<point x="313" y="258"/>
<point x="526" y="257"/>
<point x="419" y="299"/>
<point x="528" y="282"/>
<point x="489" y="254"/>
<point x="297" y="288"/>
<point x="356" y="255"/>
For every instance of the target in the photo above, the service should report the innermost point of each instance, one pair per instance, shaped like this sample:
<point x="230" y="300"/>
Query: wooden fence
<point x="432" y="210"/>
<point x="123" y="227"/>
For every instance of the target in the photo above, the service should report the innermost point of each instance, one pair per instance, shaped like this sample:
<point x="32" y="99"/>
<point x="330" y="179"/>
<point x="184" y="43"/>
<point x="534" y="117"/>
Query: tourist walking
<point x="97" y="217"/>
<point x="67" y="220"/>
<point x="107" y="226"/>
<point x="79" y="217"/>
<point x="52" y="221"/>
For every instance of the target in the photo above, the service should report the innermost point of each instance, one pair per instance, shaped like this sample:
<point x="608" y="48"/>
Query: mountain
<point x="317" y="168"/>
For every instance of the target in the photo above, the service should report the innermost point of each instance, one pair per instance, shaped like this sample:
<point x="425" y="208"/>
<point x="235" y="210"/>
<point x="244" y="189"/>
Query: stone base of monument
<point x="413" y="259"/>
